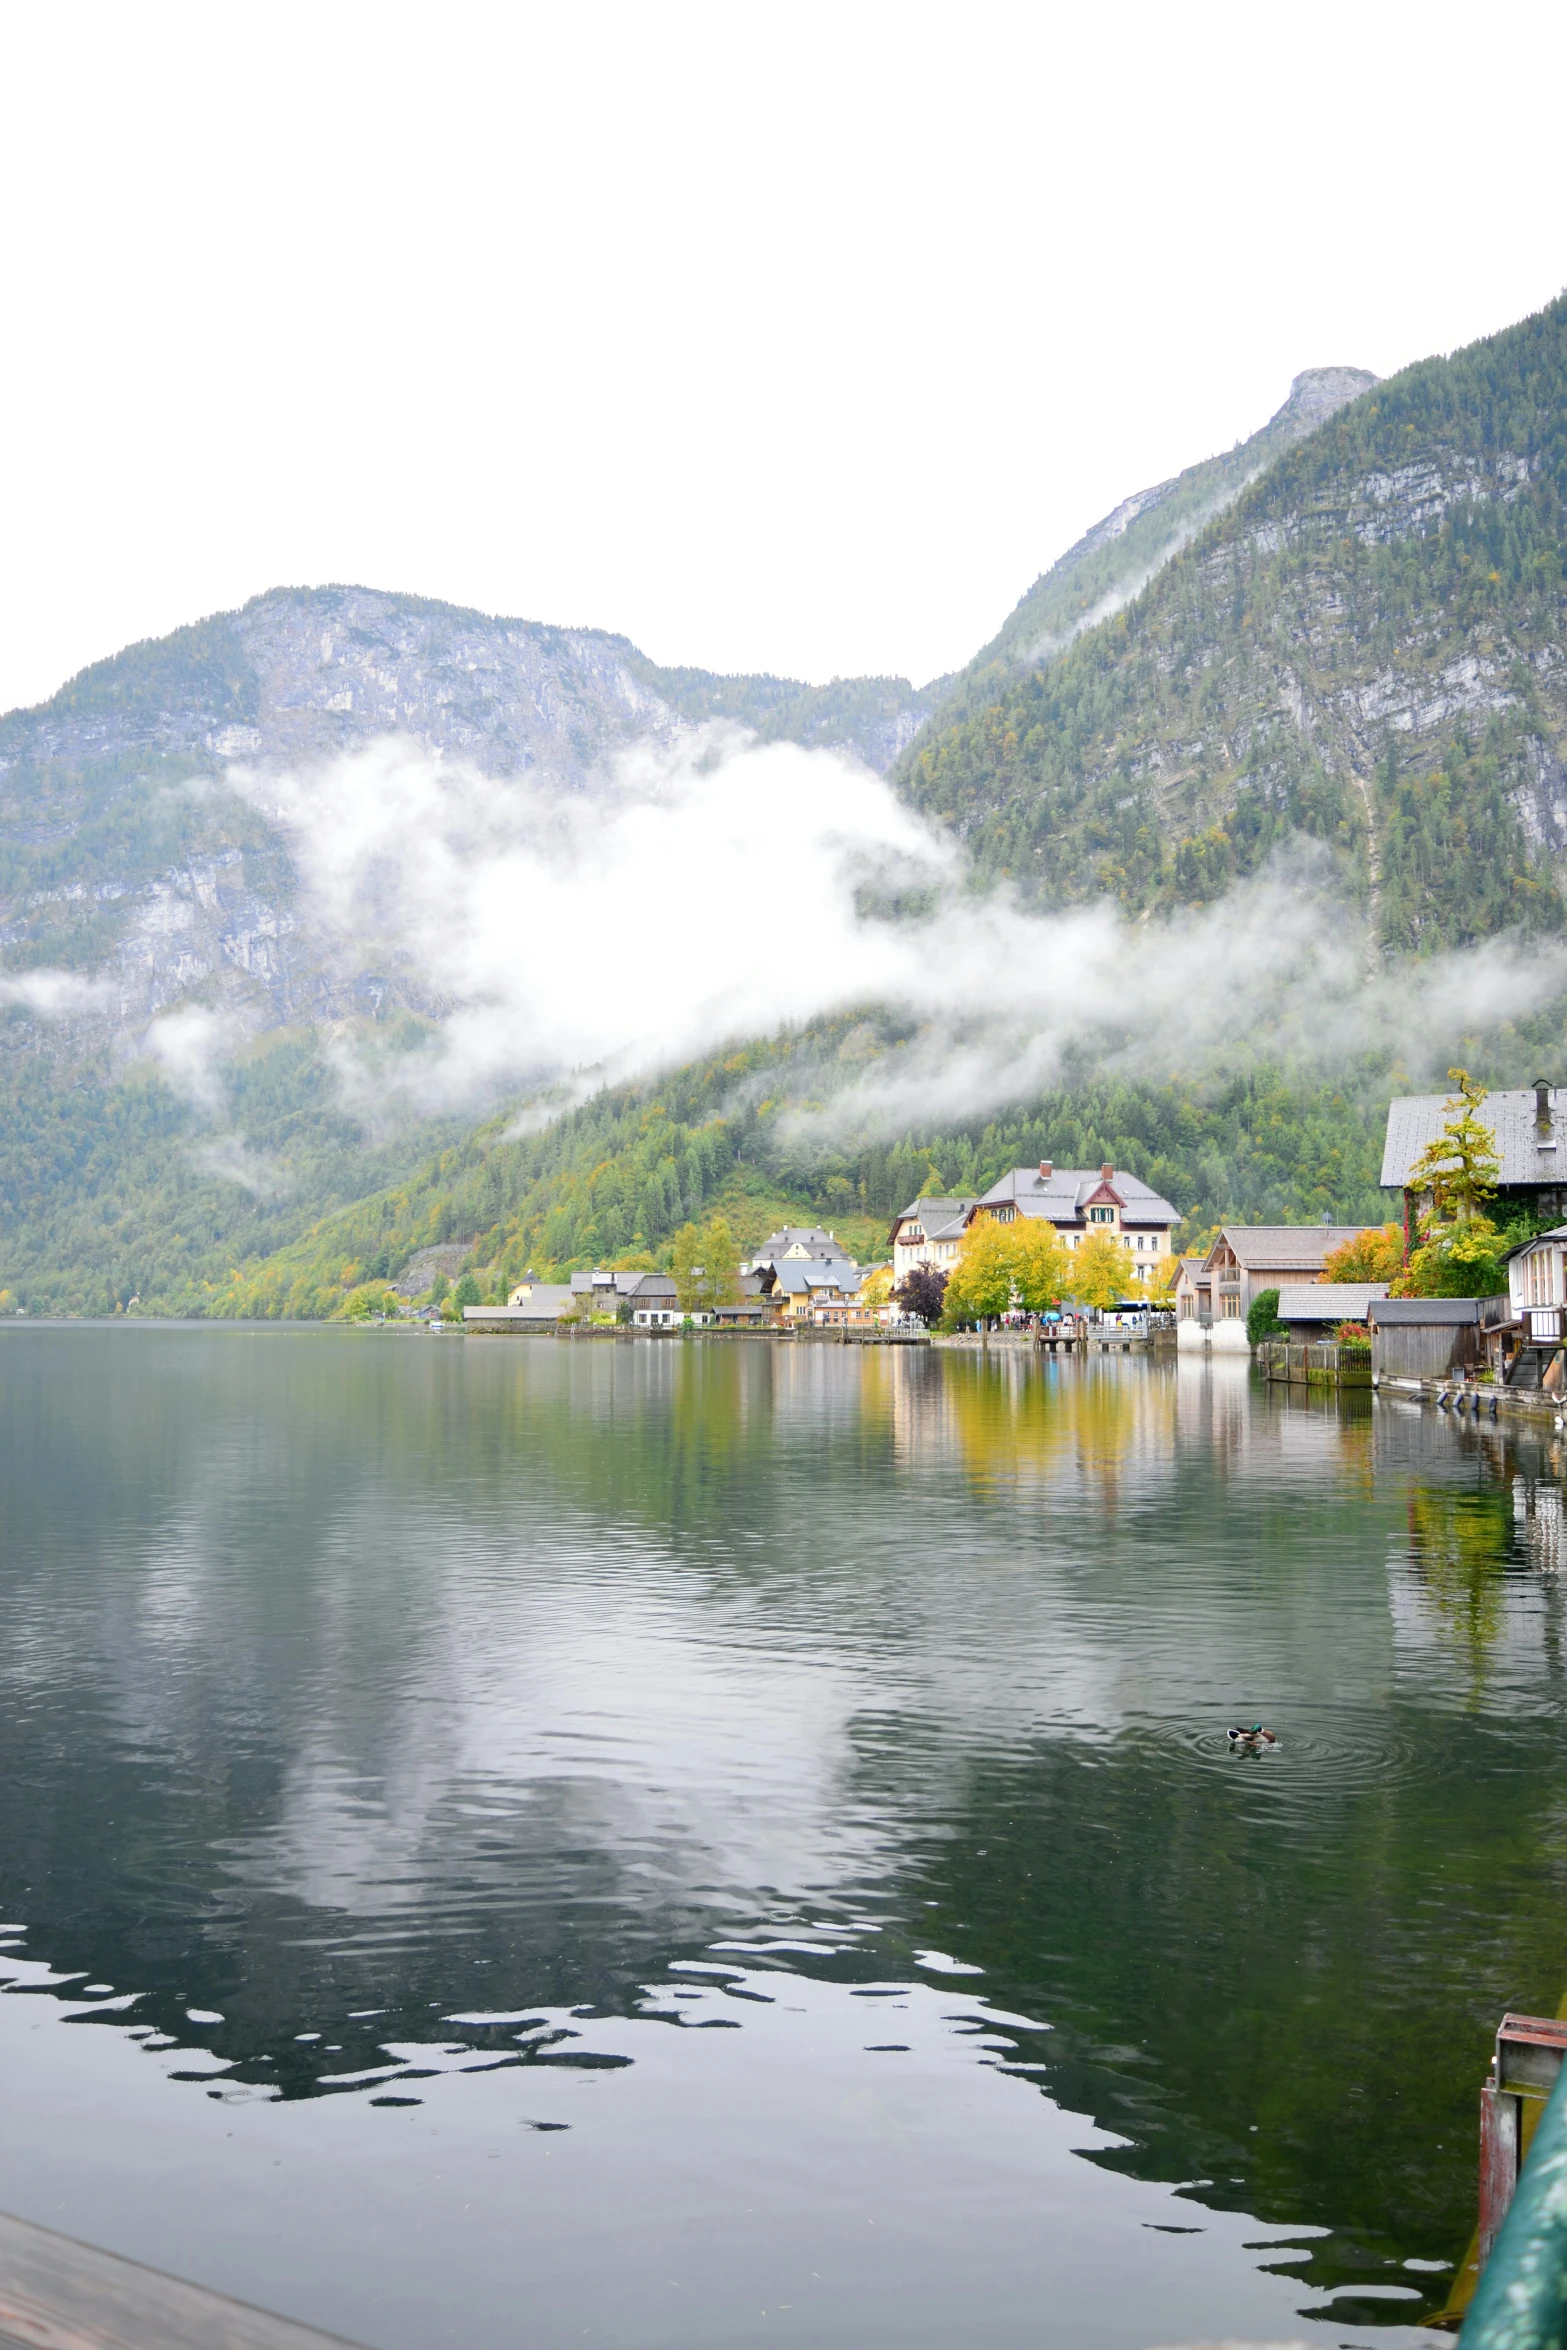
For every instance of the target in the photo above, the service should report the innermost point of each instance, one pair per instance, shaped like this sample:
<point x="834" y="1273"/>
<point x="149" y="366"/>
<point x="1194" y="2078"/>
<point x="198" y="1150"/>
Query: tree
<point x="1262" y="1317"/>
<point x="1366" y="1256"/>
<point x="922" y="1292"/>
<point x="1103" y="1272"/>
<point x="933" y="1187"/>
<point x="1041" y="1267"/>
<point x="706" y="1267"/>
<point x="1162" y="1279"/>
<point x="466" y="1293"/>
<point x="876" y="1288"/>
<point x="1456" y="1260"/>
<point x="982" y="1281"/>
<point x="1460" y="1167"/>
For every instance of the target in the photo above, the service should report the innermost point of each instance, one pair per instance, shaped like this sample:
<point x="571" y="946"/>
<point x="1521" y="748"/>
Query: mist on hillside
<point x="728" y="889"/>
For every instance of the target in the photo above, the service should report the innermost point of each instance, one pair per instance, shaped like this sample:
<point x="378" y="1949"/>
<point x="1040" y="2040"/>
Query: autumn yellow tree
<point x="876" y="1288"/>
<point x="1041" y="1267"/>
<point x="981" y="1281"/>
<point x="706" y="1266"/>
<point x="1103" y="1271"/>
<point x="1366" y="1256"/>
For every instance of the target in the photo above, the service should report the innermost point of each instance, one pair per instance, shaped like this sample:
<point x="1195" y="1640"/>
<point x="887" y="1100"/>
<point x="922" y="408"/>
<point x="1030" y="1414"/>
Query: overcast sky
<point x="794" y="338"/>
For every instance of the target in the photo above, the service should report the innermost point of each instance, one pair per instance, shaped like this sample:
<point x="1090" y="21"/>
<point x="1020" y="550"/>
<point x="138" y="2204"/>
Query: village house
<point x="1245" y="1259"/>
<point x="929" y="1232"/>
<point x="532" y="1305"/>
<point x="1079" y="1202"/>
<point x="811" y="1289"/>
<point x="1537" y="1285"/>
<point x="1193" y="1292"/>
<point x="799" y="1243"/>
<point x="1529" y="1127"/>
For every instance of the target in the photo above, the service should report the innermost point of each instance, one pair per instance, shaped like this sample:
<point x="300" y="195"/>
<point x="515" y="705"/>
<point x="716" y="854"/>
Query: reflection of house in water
<point x="1474" y="1580"/>
<point x="1537" y="1522"/>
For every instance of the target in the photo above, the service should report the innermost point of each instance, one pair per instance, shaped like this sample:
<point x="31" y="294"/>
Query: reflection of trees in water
<point x="1005" y="1419"/>
<point x="1457" y="1543"/>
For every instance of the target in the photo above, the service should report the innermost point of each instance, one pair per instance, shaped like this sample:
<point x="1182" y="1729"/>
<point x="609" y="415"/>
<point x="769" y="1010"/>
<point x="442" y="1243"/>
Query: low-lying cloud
<point x="718" y="892"/>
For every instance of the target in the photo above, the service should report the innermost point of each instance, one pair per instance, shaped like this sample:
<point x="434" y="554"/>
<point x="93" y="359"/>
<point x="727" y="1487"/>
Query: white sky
<point x="796" y="338"/>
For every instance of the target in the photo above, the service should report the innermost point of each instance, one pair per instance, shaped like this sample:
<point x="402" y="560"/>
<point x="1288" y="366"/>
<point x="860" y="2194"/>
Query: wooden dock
<point x="56" y="2294"/>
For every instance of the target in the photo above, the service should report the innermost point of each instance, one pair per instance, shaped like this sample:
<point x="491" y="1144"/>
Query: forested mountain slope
<point x="743" y="1132"/>
<point x="1367" y="649"/>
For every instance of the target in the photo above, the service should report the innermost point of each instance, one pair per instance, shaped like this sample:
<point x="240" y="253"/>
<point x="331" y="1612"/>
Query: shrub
<point x="1262" y="1319"/>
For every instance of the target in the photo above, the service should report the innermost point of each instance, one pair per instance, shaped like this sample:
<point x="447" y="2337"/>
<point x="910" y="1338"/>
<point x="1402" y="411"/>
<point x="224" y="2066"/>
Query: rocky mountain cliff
<point x="1118" y="557"/>
<point x="1365" y="649"/>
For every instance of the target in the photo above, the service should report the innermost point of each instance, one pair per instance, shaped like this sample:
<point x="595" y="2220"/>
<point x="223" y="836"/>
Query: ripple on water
<point x="1325" y="1750"/>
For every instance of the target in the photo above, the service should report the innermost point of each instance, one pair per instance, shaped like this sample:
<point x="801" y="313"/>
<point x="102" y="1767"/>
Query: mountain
<point x="120" y="843"/>
<point x="1364" y="649"/>
<point x="1118" y="557"/>
<point x="1357" y="643"/>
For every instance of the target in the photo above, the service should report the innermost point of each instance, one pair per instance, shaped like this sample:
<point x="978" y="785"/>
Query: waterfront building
<point x="1248" y="1258"/>
<point x="1537" y="1285"/>
<point x="798" y="1243"/>
<point x="1529" y="1127"/>
<point x="929" y="1232"/>
<point x="1080" y="1201"/>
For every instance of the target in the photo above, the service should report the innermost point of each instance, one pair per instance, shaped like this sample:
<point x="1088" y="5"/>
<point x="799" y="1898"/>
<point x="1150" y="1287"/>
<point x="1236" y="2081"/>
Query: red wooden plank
<point x="1498" y="2161"/>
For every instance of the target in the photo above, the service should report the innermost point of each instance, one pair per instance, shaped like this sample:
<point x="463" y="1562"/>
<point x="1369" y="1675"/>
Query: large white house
<point x="1080" y="1201"/>
<point x="929" y="1232"/>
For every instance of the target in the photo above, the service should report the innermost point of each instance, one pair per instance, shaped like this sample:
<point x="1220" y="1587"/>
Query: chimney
<point x="1542" y="1105"/>
<point x="1107" y="1172"/>
<point x="1045" y="1169"/>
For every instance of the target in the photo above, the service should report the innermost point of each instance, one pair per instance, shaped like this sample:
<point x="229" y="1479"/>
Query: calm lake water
<point x="698" y="1844"/>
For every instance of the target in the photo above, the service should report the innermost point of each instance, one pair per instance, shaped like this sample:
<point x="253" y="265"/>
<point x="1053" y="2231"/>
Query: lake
<point x="702" y="1843"/>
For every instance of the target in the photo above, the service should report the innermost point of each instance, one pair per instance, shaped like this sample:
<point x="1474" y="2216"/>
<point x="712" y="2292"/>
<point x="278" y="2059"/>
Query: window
<point x="1101" y="1215"/>
<point x="1542" y="1277"/>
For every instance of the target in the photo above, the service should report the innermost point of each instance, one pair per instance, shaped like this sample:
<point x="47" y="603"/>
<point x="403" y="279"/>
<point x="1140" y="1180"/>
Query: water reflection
<point x="355" y="1689"/>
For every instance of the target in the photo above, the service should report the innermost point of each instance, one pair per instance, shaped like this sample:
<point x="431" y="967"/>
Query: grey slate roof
<point x="798" y="1276"/>
<point x="1287" y="1248"/>
<point x="1439" y="1311"/>
<point x="545" y="1303"/>
<point x="606" y="1286"/>
<point x="1415" y="1119"/>
<point x="1329" y="1301"/>
<point x="939" y="1219"/>
<point x="1062" y="1195"/>
<point x="810" y="1237"/>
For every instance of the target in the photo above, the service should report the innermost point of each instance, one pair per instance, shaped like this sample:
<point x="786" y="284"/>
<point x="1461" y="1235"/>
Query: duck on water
<point x="1251" y="1739"/>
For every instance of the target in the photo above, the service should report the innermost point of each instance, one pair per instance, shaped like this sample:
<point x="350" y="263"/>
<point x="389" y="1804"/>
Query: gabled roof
<point x="1558" y="1233"/>
<point x="1063" y="1194"/>
<point x="1415" y="1119"/>
<point x="938" y="1219"/>
<point x="1267" y="1248"/>
<point x="544" y="1299"/>
<point x="1329" y="1301"/>
<point x="809" y="1237"/>
<point x="797" y="1276"/>
<point x="598" y="1283"/>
